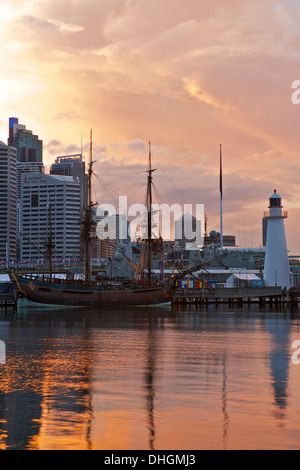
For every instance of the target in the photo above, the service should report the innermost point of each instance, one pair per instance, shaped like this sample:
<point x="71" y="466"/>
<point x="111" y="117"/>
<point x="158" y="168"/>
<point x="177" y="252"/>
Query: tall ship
<point x="46" y="289"/>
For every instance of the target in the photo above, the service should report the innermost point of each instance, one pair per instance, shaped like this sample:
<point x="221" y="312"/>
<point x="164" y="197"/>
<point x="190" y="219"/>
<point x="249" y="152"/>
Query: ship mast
<point x="149" y="209"/>
<point x="88" y="215"/>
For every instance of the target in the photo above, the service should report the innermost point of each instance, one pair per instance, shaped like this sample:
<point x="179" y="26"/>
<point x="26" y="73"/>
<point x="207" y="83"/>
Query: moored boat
<point x="51" y="291"/>
<point x="80" y="293"/>
<point x="144" y="290"/>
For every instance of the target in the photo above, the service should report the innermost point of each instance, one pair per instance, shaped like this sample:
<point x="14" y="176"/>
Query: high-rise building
<point x="72" y="165"/>
<point x="29" y="146"/>
<point x="8" y="202"/>
<point x="29" y="151"/>
<point x="63" y="194"/>
<point x="27" y="167"/>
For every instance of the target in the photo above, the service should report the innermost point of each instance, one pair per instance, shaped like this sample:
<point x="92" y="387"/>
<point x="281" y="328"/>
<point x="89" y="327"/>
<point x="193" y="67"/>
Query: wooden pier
<point x="236" y="296"/>
<point x="8" y="301"/>
<point x="8" y="296"/>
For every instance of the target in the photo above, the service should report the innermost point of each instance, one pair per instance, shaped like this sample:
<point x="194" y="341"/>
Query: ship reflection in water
<point x="149" y="379"/>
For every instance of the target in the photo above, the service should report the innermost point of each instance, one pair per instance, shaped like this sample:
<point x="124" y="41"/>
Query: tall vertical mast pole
<point x="88" y="220"/>
<point x="149" y="200"/>
<point x="90" y="169"/>
<point x="149" y="216"/>
<point x="221" y="200"/>
<point x="50" y="242"/>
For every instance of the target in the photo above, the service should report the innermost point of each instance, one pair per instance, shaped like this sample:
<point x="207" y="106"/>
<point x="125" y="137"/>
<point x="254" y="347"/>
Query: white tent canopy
<point x="238" y="279"/>
<point x="4" y="278"/>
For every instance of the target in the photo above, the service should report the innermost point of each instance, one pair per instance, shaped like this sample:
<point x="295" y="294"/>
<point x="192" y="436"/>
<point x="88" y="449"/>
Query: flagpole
<point x="221" y="200"/>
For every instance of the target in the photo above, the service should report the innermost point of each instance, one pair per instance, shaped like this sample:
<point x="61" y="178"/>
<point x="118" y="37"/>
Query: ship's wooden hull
<point x="54" y="293"/>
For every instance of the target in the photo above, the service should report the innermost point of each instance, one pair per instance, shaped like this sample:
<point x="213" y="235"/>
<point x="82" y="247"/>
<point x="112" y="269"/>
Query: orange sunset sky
<point x="187" y="75"/>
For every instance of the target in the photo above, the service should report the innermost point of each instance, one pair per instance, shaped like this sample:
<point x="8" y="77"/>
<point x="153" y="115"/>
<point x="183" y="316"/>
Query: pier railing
<point x="232" y="295"/>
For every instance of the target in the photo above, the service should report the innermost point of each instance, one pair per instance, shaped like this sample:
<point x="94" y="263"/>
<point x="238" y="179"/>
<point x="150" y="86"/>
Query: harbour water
<point x="149" y="378"/>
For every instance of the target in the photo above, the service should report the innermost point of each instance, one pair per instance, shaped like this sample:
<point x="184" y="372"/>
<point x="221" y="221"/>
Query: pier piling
<point x="237" y="296"/>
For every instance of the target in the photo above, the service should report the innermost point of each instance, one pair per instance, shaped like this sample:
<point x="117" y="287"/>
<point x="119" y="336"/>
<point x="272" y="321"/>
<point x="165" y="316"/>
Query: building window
<point x="32" y="155"/>
<point x="34" y="200"/>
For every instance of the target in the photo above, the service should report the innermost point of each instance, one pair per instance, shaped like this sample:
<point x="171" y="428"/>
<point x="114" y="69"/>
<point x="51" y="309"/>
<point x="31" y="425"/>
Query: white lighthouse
<point x="276" y="271"/>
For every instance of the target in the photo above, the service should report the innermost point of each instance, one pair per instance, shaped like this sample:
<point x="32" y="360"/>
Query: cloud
<point x="186" y="76"/>
<point x="197" y="91"/>
<point x="137" y="144"/>
<point x="66" y="27"/>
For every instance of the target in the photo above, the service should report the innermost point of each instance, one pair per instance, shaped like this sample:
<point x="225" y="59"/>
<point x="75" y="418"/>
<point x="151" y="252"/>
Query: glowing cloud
<point x="185" y="75"/>
<point x="196" y="90"/>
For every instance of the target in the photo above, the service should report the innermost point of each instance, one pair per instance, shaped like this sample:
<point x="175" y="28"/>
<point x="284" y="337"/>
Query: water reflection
<point x="279" y="357"/>
<point x="46" y="375"/>
<point x="147" y="379"/>
<point x="224" y="405"/>
<point x="150" y="363"/>
<point x="20" y="393"/>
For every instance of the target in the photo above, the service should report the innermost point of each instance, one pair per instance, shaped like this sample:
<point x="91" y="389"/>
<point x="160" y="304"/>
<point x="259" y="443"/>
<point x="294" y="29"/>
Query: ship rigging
<point x="92" y="293"/>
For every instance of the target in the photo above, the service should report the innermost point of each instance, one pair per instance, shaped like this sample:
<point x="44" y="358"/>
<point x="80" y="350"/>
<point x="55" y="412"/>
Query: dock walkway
<point x="236" y="295"/>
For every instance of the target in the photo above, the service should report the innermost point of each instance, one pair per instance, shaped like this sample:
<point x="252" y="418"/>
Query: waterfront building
<point x="276" y="268"/>
<point x="62" y="193"/>
<point x="27" y="167"/>
<point x="8" y="202"/>
<point x="215" y="238"/>
<point x="72" y="165"/>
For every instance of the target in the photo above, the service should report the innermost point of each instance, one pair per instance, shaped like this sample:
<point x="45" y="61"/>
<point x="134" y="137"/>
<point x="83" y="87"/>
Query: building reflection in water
<point x="45" y="378"/>
<point x="279" y="360"/>
<point x="21" y="392"/>
<point x="77" y="381"/>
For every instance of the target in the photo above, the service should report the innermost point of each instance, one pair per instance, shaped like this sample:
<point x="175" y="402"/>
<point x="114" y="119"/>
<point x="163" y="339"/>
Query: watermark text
<point x="296" y="354"/>
<point x="167" y="221"/>
<point x="296" y="93"/>
<point x="2" y="353"/>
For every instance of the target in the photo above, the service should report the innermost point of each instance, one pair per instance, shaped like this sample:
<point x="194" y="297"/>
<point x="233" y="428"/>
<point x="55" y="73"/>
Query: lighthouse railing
<point x="284" y="215"/>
